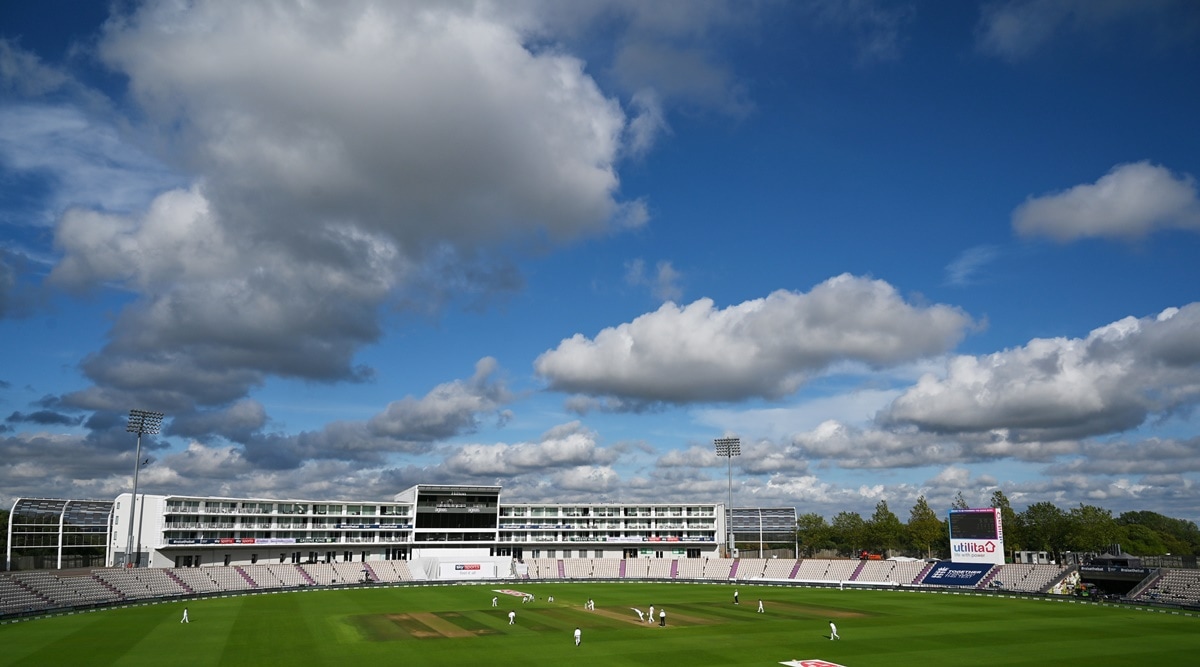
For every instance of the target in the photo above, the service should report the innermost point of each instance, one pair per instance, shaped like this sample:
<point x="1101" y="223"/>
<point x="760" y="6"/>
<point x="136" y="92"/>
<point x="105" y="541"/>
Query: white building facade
<point x="425" y="521"/>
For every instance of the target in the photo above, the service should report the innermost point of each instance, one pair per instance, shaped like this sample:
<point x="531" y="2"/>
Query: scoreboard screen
<point x="973" y="524"/>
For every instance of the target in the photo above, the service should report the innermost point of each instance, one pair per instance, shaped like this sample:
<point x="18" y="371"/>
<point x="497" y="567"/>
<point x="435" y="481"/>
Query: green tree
<point x="1045" y="527"/>
<point x="1141" y="540"/>
<point x="813" y="534"/>
<point x="849" y="532"/>
<point x="884" y="531"/>
<point x="924" y="527"/>
<point x="1179" y="536"/>
<point x="960" y="503"/>
<point x="1090" y="528"/>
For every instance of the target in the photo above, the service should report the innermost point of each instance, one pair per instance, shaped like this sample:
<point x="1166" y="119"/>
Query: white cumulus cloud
<point x="343" y="156"/>
<point x="1129" y="202"/>
<point x="1064" y="388"/>
<point x="570" y="446"/>
<point x="764" y="347"/>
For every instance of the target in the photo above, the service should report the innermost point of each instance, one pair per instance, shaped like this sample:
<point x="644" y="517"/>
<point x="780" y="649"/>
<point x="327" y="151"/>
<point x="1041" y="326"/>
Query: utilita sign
<point x="977" y="551"/>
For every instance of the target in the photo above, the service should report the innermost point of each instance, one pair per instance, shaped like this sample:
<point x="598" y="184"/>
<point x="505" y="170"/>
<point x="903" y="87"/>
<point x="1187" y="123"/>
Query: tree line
<point x="1041" y="527"/>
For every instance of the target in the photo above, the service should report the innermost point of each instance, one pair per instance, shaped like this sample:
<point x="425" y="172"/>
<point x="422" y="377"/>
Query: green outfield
<point x="457" y="625"/>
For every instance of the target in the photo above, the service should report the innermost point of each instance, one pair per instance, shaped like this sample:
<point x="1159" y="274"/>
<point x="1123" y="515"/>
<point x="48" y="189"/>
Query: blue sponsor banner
<point x="946" y="573"/>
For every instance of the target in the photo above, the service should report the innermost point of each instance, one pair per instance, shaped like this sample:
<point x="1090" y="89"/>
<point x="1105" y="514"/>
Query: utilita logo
<point x="975" y="547"/>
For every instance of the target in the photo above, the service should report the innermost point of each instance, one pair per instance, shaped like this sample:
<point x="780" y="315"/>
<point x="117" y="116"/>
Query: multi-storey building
<point x="427" y="520"/>
<point x="610" y="530"/>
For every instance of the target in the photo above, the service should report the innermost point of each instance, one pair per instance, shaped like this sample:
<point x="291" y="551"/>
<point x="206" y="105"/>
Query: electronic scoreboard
<point x="976" y="536"/>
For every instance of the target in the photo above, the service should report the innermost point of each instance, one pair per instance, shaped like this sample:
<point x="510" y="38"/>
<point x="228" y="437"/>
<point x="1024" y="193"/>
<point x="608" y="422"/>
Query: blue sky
<point x="899" y="249"/>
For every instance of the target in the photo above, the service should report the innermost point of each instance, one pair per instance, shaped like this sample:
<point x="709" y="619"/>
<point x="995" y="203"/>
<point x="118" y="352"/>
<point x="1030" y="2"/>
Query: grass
<point x="456" y="625"/>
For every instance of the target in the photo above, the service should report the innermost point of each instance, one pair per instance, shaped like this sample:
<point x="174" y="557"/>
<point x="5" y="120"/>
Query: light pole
<point x="729" y="448"/>
<point x="140" y="422"/>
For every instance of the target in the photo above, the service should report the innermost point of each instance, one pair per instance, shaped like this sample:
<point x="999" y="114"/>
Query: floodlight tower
<point x="140" y="422"/>
<point x="729" y="448"/>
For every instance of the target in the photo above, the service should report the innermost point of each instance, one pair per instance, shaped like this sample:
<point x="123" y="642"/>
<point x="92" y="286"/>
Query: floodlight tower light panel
<point x="728" y="446"/>
<point x="144" y="422"/>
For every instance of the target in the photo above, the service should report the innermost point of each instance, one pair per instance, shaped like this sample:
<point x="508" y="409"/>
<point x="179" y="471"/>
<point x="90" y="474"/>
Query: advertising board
<point x="948" y="573"/>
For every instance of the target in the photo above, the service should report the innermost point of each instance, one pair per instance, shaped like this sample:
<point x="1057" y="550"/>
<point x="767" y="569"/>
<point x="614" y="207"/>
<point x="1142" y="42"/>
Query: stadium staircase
<point x="795" y="569"/>
<point x="987" y="578"/>
<point x="1063" y="575"/>
<point x="924" y="571"/>
<point x="1149" y="581"/>
<point x="562" y="569"/>
<point x="858" y="570"/>
<point x="674" y="568"/>
<point x="371" y="572"/>
<point x="115" y="591"/>
<point x="253" y="583"/>
<point x="176" y="579"/>
<point x="33" y="591"/>
<point x="307" y="577"/>
<point x="733" y="570"/>
<point x="623" y="568"/>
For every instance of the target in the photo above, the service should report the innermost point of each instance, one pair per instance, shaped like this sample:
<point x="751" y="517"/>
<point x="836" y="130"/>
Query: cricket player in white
<point x="578" y="636"/>
<point x="651" y="613"/>
<point x="641" y="616"/>
<point x="833" y="632"/>
<point x="494" y="601"/>
<point x="185" y="618"/>
<point x="512" y="617"/>
<point x="760" y="608"/>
